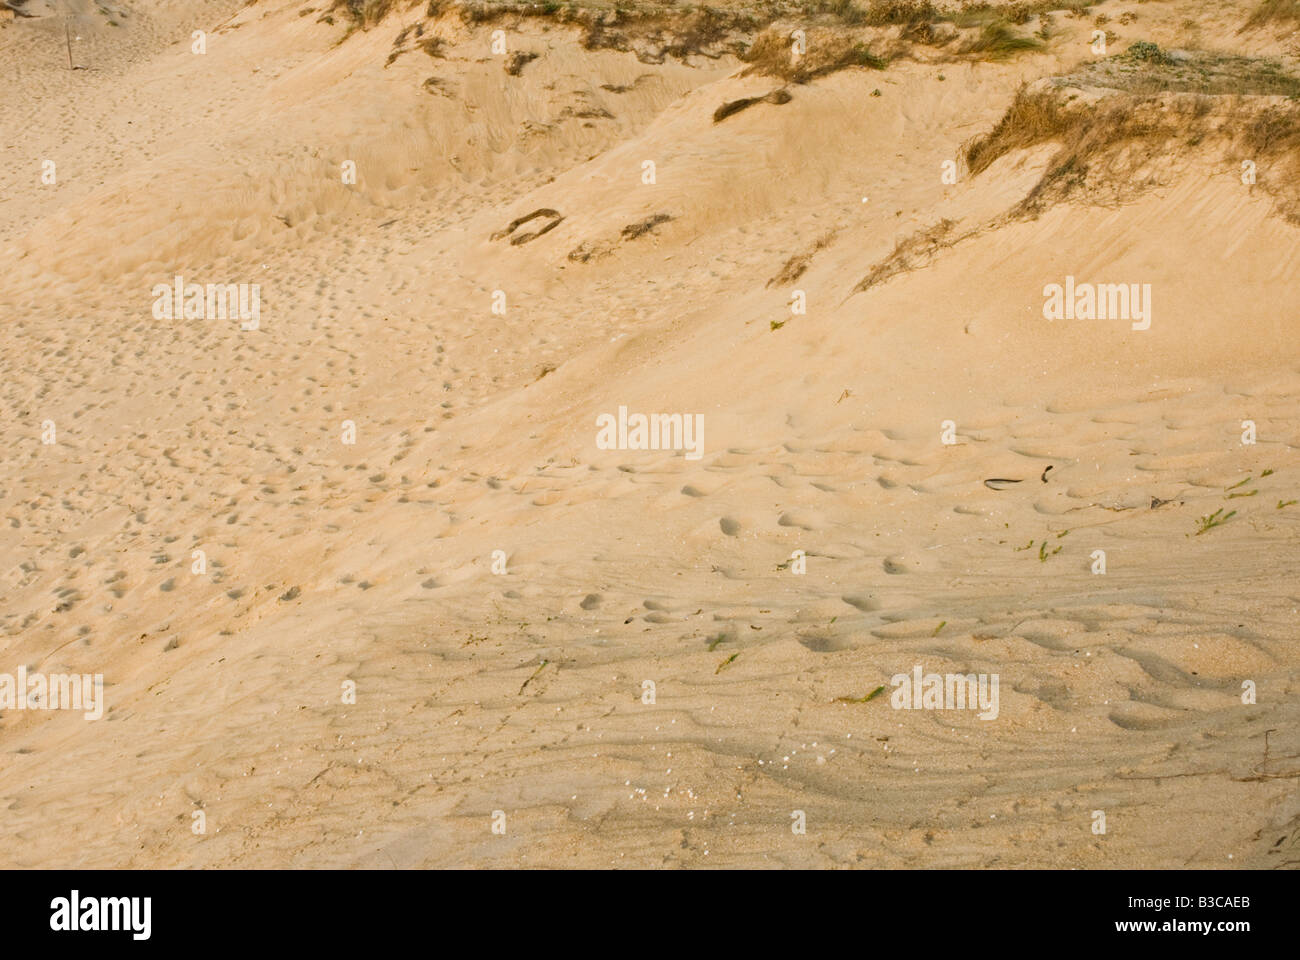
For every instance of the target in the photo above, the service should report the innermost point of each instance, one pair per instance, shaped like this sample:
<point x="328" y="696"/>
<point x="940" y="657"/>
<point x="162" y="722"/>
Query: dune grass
<point x="1115" y="115"/>
<point x="851" y="33"/>
<point x="1146" y="68"/>
<point x="910" y="252"/>
<point x="998" y="40"/>
<point x="1089" y="133"/>
<point x="827" y="53"/>
<point x="362" y="14"/>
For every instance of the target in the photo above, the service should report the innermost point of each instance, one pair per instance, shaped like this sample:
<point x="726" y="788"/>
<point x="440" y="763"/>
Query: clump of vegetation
<point x="433" y="46"/>
<point x="654" y="33"/>
<point x="360" y="14"/>
<point x="1092" y="135"/>
<point x="845" y="11"/>
<point x="1113" y="117"/>
<point x="518" y="60"/>
<point x="1148" y="52"/>
<point x="915" y="17"/>
<point x="770" y="55"/>
<point x="997" y="41"/>
<point x="1152" y="70"/>
<point x="653" y="30"/>
<point x="703" y="31"/>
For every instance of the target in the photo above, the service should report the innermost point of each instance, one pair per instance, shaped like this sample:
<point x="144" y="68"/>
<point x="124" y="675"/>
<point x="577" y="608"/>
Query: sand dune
<point x="395" y="483"/>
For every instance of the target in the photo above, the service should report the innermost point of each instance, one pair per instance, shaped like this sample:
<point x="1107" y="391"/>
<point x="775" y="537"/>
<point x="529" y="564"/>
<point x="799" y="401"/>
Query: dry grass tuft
<point x="1032" y="118"/>
<point x="1108" y="138"/>
<point x="639" y="229"/>
<point x="850" y="33"/>
<point x="794" y="267"/>
<point x="997" y="41"/>
<point x="361" y="14"/>
<point x="518" y="60"/>
<point x="770" y="55"/>
<point x="911" y="253"/>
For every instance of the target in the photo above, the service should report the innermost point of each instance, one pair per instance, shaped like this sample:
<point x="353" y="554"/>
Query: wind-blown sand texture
<point x="475" y="432"/>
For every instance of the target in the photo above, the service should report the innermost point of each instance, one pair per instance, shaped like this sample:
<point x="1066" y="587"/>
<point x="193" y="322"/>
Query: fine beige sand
<point x="517" y="699"/>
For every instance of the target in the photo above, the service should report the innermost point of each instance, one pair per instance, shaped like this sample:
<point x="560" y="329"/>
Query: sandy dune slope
<point x="621" y="654"/>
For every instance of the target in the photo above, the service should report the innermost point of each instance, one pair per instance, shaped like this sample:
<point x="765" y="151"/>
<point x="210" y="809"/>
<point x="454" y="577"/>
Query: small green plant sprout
<point x="942" y="624"/>
<point x="1267" y="473"/>
<point x="1243" y="493"/>
<point x="1043" y="553"/>
<point x="1025" y="547"/>
<point x="1214" y="520"/>
<point x="777" y="324"/>
<point x="1286" y="503"/>
<point x="726" y="662"/>
<point x="539" y="669"/>
<point x="870" y="696"/>
<point x="1239" y="483"/>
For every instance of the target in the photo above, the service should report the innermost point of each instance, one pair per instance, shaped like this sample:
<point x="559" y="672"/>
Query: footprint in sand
<point x="1141" y="717"/>
<point x="823" y="641"/>
<point x="659" y="611"/>
<point x="789" y="519"/>
<point x="729" y="526"/>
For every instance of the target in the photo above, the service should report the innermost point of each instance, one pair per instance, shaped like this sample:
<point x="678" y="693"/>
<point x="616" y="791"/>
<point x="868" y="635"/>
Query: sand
<point x="430" y="647"/>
